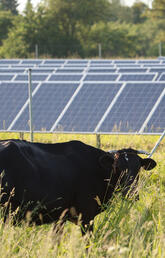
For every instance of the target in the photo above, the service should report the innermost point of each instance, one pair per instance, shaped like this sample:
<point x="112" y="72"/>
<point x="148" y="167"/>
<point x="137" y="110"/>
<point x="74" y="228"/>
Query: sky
<point x="22" y="3"/>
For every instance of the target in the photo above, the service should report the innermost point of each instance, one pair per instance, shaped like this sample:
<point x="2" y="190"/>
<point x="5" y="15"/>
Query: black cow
<point x="70" y="178"/>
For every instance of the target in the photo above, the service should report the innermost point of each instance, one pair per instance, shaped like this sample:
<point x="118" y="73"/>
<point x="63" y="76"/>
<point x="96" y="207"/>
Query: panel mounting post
<point x="98" y="141"/>
<point x="30" y="104"/>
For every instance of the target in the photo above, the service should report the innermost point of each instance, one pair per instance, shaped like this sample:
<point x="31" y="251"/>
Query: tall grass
<point x="127" y="228"/>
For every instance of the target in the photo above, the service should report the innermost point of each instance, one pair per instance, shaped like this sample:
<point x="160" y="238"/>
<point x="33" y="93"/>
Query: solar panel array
<point x="92" y="96"/>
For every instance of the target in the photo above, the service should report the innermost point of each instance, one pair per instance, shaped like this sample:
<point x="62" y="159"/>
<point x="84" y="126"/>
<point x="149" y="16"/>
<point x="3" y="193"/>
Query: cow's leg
<point x="88" y="208"/>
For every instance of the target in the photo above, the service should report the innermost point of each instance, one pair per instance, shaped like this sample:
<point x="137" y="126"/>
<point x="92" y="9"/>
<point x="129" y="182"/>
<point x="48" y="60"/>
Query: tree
<point x="157" y="13"/>
<point x="22" y="37"/>
<point x="121" y="40"/>
<point x="30" y="26"/>
<point x="114" y="38"/>
<point x="9" y="5"/>
<point x="119" y="12"/>
<point x="158" y="9"/>
<point x="48" y="34"/>
<point x="71" y="15"/>
<point x="139" y="12"/>
<point x="5" y="23"/>
<point x="15" y="45"/>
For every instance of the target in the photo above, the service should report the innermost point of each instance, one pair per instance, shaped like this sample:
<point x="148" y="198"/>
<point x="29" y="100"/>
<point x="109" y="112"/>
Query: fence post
<point x="160" y="48"/>
<point x="30" y="105"/>
<point x="21" y="135"/>
<point x="36" y="51"/>
<point x="100" y="51"/>
<point x="98" y="141"/>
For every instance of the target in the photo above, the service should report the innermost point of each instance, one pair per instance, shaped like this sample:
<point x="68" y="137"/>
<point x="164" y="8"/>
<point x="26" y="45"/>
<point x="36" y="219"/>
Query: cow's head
<point x="126" y="165"/>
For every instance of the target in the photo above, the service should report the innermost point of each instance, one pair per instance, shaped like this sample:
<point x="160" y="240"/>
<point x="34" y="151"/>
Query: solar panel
<point x="74" y="65"/>
<point x="42" y="70"/>
<point x="32" y="61"/>
<point x="53" y="66"/>
<point x="34" y="77"/>
<point x="47" y="105"/>
<point x="98" y="104"/>
<point x="13" y="96"/>
<point x="6" y="77"/>
<point x="54" y="62"/>
<point x="9" y="61"/>
<point x="65" y="77"/>
<point x="154" y="65"/>
<point x="4" y="66"/>
<point x="102" y="70"/>
<point x="157" y="121"/>
<point x="132" y="107"/>
<point x="128" y="65"/>
<point x="101" y="77"/>
<point x="88" y="107"/>
<point x="132" y="70"/>
<point x="64" y="70"/>
<point x="77" y="62"/>
<point x="23" y="66"/>
<point x="162" y="77"/>
<point x="124" y="61"/>
<point x="12" y="70"/>
<point x="161" y="58"/>
<point x="101" y="62"/>
<point x="157" y="70"/>
<point x="148" y="61"/>
<point x="137" y="77"/>
<point x="102" y="66"/>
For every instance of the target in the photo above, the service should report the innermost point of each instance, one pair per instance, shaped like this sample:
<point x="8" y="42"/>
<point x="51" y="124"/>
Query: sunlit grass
<point x="126" y="229"/>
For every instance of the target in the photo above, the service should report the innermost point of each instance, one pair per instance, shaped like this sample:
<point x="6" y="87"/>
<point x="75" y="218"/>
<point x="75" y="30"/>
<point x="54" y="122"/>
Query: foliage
<point x="121" y="39"/>
<point x="158" y="9"/>
<point x="118" y="12"/>
<point x="9" y="5"/>
<point x="15" y="45"/>
<point x="111" y="36"/>
<point x="158" y="14"/>
<point x="139" y="11"/>
<point x="63" y="28"/>
<point x="5" y="24"/>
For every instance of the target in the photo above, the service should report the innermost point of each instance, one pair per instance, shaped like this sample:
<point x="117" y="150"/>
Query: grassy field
<point x="125" y="229"/>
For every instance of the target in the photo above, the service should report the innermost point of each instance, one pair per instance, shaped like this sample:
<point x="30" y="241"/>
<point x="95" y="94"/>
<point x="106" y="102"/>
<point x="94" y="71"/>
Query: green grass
<point x="125" y="229"/>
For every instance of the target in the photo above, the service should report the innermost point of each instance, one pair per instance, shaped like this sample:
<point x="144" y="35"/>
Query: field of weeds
<point x="126" y="229"/>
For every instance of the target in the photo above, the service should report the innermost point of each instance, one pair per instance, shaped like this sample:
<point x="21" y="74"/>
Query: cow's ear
<point x="148" y="164"/>
<point x="106" y="161"/>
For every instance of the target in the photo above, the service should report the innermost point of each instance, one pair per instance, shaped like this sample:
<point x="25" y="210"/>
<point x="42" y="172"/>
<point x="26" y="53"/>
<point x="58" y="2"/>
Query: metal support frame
<point x="157" y="144"/>
<point x="30" y="105"/>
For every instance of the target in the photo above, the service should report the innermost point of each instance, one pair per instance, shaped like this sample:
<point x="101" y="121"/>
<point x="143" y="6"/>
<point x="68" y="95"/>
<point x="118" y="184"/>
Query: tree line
<point x="75" y="28"/>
